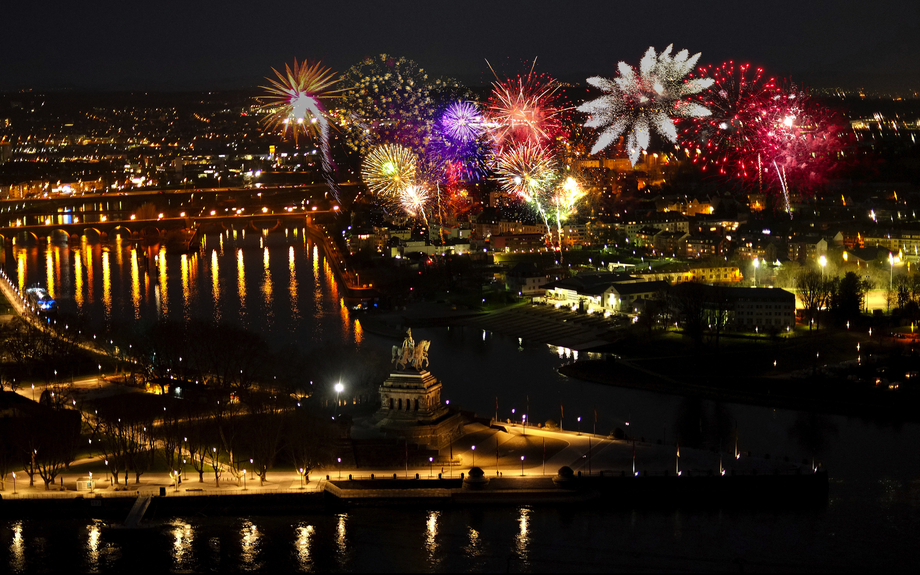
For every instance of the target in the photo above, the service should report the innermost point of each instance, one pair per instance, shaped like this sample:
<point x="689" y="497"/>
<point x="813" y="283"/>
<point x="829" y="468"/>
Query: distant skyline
<point x="173" y="45"/>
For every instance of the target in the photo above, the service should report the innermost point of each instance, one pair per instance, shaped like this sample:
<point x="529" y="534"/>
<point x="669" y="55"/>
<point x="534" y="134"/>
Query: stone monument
<point x="410" y="399"/>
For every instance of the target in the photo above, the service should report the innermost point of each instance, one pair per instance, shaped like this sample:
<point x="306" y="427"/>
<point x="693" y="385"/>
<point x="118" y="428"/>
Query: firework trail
<point x="414" y="199"/>
<point x="295" y="101"/>
<point x="653" y="98"/>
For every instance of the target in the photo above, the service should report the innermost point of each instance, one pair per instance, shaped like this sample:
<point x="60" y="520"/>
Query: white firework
<point x="636" y="103"/>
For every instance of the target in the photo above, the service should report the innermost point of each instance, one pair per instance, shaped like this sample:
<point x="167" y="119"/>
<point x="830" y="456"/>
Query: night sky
<point x="194" y="44"/>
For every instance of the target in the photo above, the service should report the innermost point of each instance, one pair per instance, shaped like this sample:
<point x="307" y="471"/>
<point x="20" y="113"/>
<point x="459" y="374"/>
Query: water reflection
<point x="250" y="545"/>
<point x="473" y="547"/>
<point x="49" y="267"/>
<point x="135" y="285"/>
<point x="17" y="549"/>
<point x="215" y="282"/>
<point x="163" y="304"/>
<point x="292" y="283"/>
<point x="88" y="257"/>
<point x="522" y="540"/>
<point x="106" y="285"/>
<point x="92" y="547"/>
<point x="431" y="542"/>
<point x="341" y="540"/>
<point x="240" y="278"/>
<point x="183" y="537"/>
<point x="302" y="546"/>
<point x="267" y="286"/>
<point x="77" y="276"/>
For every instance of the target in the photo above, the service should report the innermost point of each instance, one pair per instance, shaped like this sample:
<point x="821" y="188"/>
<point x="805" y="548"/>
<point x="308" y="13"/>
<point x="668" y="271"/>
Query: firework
<point x="294" y="102"/>
<point x="457" y="147"/>
<point x="524" y="109"/>
<point x="462" y="123"/>
<point x="634" y="104"/>
<point x="525" y="170"/>
<point x="414" y="199"/>
<point x="796" y="143"/>
<point x="294" y="99"/>
<point x="389" y="101"/>
<point x="389" y="168"/>
<point x="736" y="101"/>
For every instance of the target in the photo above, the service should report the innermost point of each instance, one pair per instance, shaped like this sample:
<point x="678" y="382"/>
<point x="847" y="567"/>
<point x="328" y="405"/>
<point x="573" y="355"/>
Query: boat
<point x="39" y="298"/>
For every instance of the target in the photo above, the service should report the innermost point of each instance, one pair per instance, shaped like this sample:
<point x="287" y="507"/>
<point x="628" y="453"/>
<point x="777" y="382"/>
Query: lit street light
<point x="822" y="261"/>
<point x="430" y="466"/>
<point x="522" y="466"/>
<point x="474" y="455"/>
<point x="339" y="388"/>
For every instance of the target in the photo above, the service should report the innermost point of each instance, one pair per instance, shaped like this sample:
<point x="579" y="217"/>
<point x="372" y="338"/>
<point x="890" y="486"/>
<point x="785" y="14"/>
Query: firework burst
<point x="461" y="122"/>
<point x="414" y="199"/>
<point x="796" y="143"/>
<point x="293" y="99"/>
<point x="737" y="100"/>
<point x="524" y="109"/>
<point x="388" y="169"/>
<point x="526" y="171"/>
<point x="294" y="102"/>
<point x="653" y="98"/>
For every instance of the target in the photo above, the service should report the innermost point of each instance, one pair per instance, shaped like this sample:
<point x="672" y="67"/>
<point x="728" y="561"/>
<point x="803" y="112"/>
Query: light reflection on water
<point x="250" y="546"/>
<point x="256" y="280"/>
<point x="17" y="549"/>
<point x="302" y="546"/>
<point x="183" y="533"/>
<point x="431" y="539"/>
<point x="522" y="540"/>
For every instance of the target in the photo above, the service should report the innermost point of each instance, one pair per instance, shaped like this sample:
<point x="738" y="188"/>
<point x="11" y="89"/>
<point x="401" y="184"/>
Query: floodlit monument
<point x="410" y="399"/>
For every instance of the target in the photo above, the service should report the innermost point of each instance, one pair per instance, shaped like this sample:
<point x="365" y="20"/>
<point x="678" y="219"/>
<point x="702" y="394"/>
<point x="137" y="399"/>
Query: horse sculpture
<point x="420" y="354"/>
<point x="414" y="355"/>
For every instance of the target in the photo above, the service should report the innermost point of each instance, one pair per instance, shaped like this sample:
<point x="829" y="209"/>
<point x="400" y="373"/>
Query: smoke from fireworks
<point x="736" y="101"/>
<point x="294" y="99"/>
<point x="389" y="168"/>
<point x="636" y="103"/>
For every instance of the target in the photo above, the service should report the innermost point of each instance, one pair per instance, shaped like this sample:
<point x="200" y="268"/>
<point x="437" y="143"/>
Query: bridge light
<point x="132" y="216"/>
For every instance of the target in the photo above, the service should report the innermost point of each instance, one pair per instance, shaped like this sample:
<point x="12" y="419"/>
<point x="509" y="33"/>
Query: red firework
<point x="798" y="142"/>
<point x="736" y="101"/>
<point x="524" y="109"/>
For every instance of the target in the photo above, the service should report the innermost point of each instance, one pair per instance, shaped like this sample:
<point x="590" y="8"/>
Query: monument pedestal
<point x="410" y="406"/>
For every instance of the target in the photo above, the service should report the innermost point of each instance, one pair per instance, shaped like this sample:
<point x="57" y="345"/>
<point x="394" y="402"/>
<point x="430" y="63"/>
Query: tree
<point x="814" y="291"/>
<point x="847" y="296"/>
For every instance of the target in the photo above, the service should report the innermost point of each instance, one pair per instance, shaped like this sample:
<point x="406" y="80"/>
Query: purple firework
<point x="462" y="122"/>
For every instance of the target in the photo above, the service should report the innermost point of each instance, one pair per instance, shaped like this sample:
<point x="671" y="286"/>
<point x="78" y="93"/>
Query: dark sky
<point x="207" y="44"/>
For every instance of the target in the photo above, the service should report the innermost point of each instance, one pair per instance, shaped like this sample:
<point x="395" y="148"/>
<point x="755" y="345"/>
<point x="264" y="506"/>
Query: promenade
<point x="513" y="453"/>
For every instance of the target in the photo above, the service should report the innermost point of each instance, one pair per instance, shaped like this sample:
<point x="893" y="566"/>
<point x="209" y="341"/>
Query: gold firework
<point x="388" y="169"/>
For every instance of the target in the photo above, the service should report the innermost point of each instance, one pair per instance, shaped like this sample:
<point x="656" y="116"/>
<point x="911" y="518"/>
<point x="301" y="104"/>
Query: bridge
<point x="153" y="230"/>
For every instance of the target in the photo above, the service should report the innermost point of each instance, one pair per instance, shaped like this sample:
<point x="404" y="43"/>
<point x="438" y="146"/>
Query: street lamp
<point x="430" y="466"/>
<point x="822" y="261"/>
<point x="339" y="460"/>
<point x="301" y="477"/>
<point x="339" y="388"/>
<point x="244" y="479"/>
<point x="14" y="483"/>
<point x="522" y="466"/>
<point x="579" y="425"/>
<point x="756" y="266"/>
<point x="474" y="455"/>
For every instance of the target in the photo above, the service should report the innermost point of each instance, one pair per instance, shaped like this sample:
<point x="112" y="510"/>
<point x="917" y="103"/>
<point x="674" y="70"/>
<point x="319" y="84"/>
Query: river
<point x="279" y="285"/>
